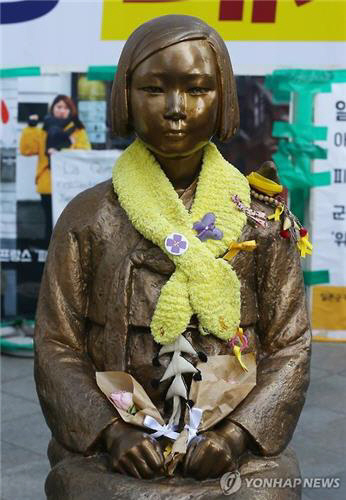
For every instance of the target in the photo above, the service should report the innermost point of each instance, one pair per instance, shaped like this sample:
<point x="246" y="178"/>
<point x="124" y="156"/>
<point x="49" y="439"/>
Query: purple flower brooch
<point x="177" y="244"/>
<point x="206" y="228"/>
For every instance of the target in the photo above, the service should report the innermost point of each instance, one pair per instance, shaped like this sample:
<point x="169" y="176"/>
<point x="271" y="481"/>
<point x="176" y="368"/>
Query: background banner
<point x="328" y="217"/>
<point x="262" y="35"/>
<point x="288" y="20"/>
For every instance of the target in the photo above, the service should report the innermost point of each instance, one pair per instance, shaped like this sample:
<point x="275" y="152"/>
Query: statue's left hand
<point x="213" y="453"/>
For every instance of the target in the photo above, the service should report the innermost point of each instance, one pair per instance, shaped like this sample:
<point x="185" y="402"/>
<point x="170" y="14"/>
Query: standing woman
<point x="62" y="129"/>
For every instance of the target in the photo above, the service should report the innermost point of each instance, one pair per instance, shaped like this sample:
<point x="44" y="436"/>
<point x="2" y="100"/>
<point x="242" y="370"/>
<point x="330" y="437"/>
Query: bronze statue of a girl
<point x="139" y="270"/>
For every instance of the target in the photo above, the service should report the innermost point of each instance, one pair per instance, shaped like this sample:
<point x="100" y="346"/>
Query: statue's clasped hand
<point x="213" y="453"/>
<point x="209" y="454"/>
<point x="133" y="452"/>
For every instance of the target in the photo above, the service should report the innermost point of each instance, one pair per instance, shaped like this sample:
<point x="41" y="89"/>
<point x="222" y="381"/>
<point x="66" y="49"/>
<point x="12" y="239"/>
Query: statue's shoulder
<point x="90" y="207"/>
<point x="264" y="186"/>
<point x="268" y="203"/>
<point x="265" y="189"/>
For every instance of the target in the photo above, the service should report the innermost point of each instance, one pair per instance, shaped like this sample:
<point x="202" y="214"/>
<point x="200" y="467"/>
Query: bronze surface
<point x="102" y="280"/>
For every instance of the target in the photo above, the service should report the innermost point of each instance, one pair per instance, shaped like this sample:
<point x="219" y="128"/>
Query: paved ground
<point x="320" y="438"/>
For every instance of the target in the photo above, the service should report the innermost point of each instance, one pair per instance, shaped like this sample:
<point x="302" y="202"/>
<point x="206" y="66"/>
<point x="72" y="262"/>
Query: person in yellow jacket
<point x="62" y="129"/>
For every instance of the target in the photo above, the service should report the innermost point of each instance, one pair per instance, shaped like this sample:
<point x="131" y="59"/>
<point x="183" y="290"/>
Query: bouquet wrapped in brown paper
<point x="113" y="384"/>
<point x="223" y="386"/>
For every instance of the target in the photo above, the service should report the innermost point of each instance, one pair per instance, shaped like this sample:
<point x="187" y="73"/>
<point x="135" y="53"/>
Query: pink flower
<point x="122" y="400"/>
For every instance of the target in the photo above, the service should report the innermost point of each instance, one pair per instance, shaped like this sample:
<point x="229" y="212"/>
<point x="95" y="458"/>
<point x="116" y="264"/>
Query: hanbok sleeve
<point x="271" y="411"/>
<point x="75" y="409"/>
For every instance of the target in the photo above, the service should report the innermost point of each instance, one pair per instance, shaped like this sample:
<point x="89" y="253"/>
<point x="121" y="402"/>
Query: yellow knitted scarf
<point x="202" y="283"/>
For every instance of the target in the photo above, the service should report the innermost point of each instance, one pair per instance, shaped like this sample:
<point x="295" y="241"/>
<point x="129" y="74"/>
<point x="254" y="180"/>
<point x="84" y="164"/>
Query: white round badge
<point x="176" y="244"/>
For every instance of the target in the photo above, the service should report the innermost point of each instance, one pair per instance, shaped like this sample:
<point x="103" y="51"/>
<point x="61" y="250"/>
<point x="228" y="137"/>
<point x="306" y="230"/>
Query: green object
<point x="339" y="76"/>
<point x="17" y="72"/>
<point x="17" y="346"/>
<point x="296" y="140"/>
<point x="300" y="133"/>
<point x="101" y="72"/>
<point x="316" y="277"/>
<point x="16" y="337"/>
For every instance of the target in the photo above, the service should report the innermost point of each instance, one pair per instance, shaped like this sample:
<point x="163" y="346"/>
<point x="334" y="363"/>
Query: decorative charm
<point x="277" y="214"/>
<point x="291" y="227"/>
<point x="255" y="216"/>
<point x="206" y="228"/>
<point x="287" y="223"/>
<point x="176" y="244"/>
<point x="304" y="245"/>
<point x="176" y="367"/>
<point x="181" y="344"/>
<point x="285" y="233"/>
<point x="234" y="248"/>
<point x="177" y="388"/>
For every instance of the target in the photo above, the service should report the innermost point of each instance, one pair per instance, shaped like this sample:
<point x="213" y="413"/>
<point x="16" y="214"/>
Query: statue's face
<point x="174" y="99"/>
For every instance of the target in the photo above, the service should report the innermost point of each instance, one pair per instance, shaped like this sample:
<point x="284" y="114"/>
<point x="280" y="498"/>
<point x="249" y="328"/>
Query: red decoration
<point x="5" y="115"/>
<point x="303" y="232"/>
<point x="285" y="233"/>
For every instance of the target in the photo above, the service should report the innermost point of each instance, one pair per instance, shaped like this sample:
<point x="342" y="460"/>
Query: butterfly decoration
<point x="206" y="228"/>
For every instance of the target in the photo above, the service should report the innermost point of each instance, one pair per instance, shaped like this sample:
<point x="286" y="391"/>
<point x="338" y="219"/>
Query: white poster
<point x="8" y="145"/>
<point x="328" y="218"/>
<point x="76" y="171"/>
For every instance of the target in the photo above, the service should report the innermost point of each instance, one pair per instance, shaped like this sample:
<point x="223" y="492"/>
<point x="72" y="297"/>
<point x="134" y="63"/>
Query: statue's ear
<point x="269" y="170"/>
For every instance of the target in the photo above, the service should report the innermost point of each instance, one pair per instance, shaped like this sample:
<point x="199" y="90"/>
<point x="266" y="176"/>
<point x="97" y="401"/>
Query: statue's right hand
<point x="133" y="452"/>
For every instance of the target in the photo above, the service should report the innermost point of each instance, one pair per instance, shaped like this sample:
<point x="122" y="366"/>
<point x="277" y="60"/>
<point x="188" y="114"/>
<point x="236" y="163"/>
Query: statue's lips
<point x="175" y="133"/>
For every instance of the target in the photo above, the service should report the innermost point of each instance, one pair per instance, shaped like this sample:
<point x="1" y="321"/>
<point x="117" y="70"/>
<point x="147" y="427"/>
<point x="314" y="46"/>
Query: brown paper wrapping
<point x="223" y="386"/>
<point x="110" y="382"/>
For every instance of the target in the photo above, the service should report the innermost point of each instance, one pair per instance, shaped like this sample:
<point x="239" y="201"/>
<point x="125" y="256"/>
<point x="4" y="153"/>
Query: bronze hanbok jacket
<point x="100" y="286"/>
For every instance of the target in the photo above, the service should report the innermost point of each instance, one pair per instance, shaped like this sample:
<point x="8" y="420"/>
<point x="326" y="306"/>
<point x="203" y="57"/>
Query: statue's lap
<point x="90" y="478"/>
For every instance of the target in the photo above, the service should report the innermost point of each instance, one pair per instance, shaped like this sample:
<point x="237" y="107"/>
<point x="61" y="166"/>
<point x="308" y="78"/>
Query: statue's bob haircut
<point x="156" y="35"/>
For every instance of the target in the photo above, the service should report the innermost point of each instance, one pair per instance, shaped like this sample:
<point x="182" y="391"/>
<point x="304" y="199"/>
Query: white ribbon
<point x="161" y="430"/>
<point x="195" y="417"/>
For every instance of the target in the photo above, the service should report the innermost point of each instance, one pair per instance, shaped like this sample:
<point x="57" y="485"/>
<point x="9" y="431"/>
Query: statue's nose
<point x="175" y="109"/>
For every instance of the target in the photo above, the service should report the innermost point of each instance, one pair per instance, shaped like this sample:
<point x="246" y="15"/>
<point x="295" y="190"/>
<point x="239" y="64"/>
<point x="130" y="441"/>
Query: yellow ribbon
<point x="237" y="354"/>
<point x="237" y="349"/>
<point x="277" y="214"/>
<point x="304" y="245"/>
<point x="263" y="184"/>
<point x="234" y="247"/>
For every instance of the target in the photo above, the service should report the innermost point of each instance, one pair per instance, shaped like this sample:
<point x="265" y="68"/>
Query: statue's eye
<point x="198" y="90"/>
<point x="152" y="90"/>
